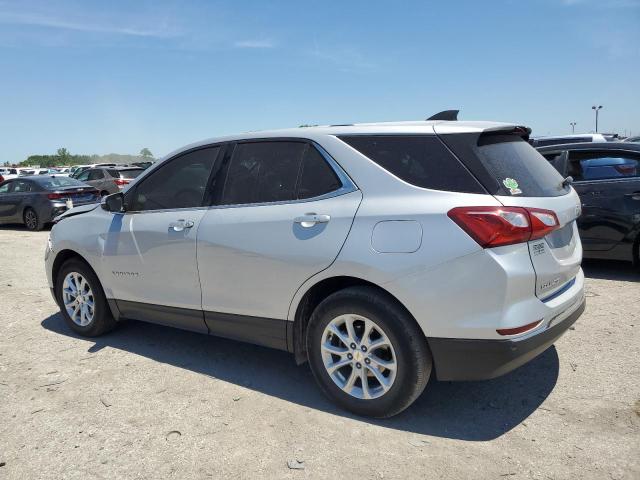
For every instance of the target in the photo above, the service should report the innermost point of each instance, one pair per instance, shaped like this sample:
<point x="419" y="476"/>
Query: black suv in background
<point x="607" y="178"/>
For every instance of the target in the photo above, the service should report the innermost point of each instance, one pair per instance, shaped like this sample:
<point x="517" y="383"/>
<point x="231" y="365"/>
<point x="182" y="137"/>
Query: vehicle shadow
<point x="472" y="411"/>
<point x="610" y="270"/>
<point x="19" y="227"/>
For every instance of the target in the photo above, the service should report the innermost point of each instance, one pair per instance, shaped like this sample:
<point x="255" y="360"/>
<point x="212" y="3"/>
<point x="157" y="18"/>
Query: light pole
<point x="573" y="127"/>
<point x="596" y="109"/>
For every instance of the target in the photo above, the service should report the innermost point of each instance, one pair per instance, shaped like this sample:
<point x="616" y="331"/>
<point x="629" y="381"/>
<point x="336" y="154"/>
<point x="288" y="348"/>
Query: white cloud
<point x="254" y="44"/>
<point x="91" y="25"/>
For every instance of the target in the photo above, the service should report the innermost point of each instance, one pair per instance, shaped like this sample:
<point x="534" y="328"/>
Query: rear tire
<point x="31" y="220"/>
<point x="82" y="301"/>
<point x="331" y="341"/>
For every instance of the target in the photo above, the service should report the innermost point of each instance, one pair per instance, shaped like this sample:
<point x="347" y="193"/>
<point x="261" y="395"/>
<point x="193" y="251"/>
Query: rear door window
<point x="262" y="172"/>
<point x="317" y="177"/>
<point x="96" y="175"/>
<point x="421" y="160"/>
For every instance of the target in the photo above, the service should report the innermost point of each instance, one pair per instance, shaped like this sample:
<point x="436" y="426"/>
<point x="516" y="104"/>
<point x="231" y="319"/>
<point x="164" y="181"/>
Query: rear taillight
<point x="543" y="222"/>
<point x="626" y="170"/>
<point x="498" y="226"/>
<point x="54" y="196"/>
<point x="121" y="182"/>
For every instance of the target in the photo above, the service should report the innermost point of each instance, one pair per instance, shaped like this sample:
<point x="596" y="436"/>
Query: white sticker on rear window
<point x="512" y="185"/>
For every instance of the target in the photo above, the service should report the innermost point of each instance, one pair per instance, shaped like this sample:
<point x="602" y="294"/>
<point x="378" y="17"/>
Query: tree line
<point x="63" y="157"/>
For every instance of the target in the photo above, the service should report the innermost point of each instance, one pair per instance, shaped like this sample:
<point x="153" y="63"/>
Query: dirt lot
<point x="152" y="402"/>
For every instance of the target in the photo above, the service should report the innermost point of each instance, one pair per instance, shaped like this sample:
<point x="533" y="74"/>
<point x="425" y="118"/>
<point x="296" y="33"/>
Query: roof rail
<point x="451" y="115"/>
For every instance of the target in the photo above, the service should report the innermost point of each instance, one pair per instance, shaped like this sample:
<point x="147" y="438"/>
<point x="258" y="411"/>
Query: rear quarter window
<point x="421" y="160"/>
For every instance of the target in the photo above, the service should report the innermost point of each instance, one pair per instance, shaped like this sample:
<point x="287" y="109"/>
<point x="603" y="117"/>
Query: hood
<point x="76" y="211"/>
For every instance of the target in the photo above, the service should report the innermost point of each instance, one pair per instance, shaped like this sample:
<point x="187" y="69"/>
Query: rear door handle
<point x="181" y="225"/>
<point x="310" y="219"/>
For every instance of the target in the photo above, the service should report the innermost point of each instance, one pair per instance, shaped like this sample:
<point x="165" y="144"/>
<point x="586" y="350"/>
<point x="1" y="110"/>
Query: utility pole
<point x="573" y="127"/>
<point x="596" y="110"/>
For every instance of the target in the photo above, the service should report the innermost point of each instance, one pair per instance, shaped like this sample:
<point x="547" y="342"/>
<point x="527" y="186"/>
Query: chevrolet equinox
<point x="379" y="253"/>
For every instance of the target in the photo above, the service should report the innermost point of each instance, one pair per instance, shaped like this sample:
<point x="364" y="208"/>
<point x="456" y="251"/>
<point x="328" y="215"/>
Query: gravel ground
<point x="152" y="402"/>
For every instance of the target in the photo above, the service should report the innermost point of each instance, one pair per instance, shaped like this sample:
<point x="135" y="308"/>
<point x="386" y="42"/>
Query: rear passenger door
<point x="281" y="215"/>
<point x="608" y="183"/>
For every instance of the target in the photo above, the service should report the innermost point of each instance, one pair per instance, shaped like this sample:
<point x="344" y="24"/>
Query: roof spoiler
<point x="450" y="115"/>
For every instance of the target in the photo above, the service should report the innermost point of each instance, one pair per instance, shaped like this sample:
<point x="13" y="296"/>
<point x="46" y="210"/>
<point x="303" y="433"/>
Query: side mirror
<point x="113" y="203"/>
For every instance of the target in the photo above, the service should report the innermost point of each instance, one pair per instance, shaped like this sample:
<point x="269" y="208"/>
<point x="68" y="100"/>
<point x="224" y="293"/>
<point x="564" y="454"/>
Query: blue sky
<point x="100" y="77"/>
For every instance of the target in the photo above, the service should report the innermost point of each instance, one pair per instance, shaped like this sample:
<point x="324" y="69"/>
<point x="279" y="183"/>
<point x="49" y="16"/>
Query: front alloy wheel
<point x="81" y="299"/>
<point x="78" y="300"/>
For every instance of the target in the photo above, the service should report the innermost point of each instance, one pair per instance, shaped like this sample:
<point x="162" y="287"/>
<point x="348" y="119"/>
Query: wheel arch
<point x="311" y="299"/>
<point x="67" y="254"/>
<point x="63" y="256"/>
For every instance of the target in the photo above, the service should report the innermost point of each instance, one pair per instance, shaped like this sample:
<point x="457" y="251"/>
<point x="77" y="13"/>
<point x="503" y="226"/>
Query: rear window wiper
<point x="567" y="181"/>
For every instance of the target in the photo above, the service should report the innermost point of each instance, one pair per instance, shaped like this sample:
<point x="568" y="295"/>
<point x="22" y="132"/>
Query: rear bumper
<point x="469" y="359"/>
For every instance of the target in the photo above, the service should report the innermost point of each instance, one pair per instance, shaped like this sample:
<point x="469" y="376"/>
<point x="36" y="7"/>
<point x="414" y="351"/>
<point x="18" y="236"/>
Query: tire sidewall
<point x="393" y="322"/>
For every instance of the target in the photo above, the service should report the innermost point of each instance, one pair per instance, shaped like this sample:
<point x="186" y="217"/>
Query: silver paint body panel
<point x="254" y="260"/>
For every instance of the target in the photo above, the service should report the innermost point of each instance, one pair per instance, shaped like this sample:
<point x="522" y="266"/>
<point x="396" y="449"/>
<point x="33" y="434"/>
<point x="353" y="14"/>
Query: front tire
<point x="82" y="301"/>
<point x="367" y="353"/>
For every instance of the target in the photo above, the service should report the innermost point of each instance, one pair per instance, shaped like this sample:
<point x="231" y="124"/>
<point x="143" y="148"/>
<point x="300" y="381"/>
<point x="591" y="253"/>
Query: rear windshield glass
<point x="421" y="160"/>
<point x="51" y="183"/>
<point x="129" y="173"/>
<point x="518" y="167"/>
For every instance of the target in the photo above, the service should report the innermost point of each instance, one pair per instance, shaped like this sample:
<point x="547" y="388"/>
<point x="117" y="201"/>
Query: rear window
<point x="421" y="160"/>
<point x="505" y="164"/>
<point x="53" y="183"/>
<point x="128" y="173"/>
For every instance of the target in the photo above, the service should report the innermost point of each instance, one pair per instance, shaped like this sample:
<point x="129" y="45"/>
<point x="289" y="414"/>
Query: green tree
<point x="63" y="153"/>
<point x="146" y="153"/>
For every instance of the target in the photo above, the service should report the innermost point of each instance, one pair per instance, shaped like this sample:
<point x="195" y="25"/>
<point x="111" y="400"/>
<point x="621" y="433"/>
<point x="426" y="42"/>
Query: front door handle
<point x="310" y="219"/>
<point x="181" y="225"/>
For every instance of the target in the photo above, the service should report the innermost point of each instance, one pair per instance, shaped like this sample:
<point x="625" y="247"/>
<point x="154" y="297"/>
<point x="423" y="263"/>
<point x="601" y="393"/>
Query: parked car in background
<point x="10" y="172"/>
<point x="380" y="253"/>
<point x="36" y="200"/>
<point x="78" y="169"/>
<point x="607" y="178"/>
<point x="635" y="139"/>
<point x="574" y="138"/>
<point x="109" y="180"/>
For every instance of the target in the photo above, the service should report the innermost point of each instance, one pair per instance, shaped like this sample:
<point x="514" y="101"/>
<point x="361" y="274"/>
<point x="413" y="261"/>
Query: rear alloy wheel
<point x="367" y="353"/>
<point x="31" y="220"/>
<point x="81" y="299"/>
<point x="358" y="356"/>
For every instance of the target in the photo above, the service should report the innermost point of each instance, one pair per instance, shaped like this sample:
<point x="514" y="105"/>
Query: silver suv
<point x="379" y="253"/>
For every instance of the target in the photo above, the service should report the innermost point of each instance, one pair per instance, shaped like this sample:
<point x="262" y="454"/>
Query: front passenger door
<point x="150" y="251"/>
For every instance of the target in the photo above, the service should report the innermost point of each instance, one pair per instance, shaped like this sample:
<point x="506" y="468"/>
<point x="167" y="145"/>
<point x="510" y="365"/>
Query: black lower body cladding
<point x="468" y="359"/>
